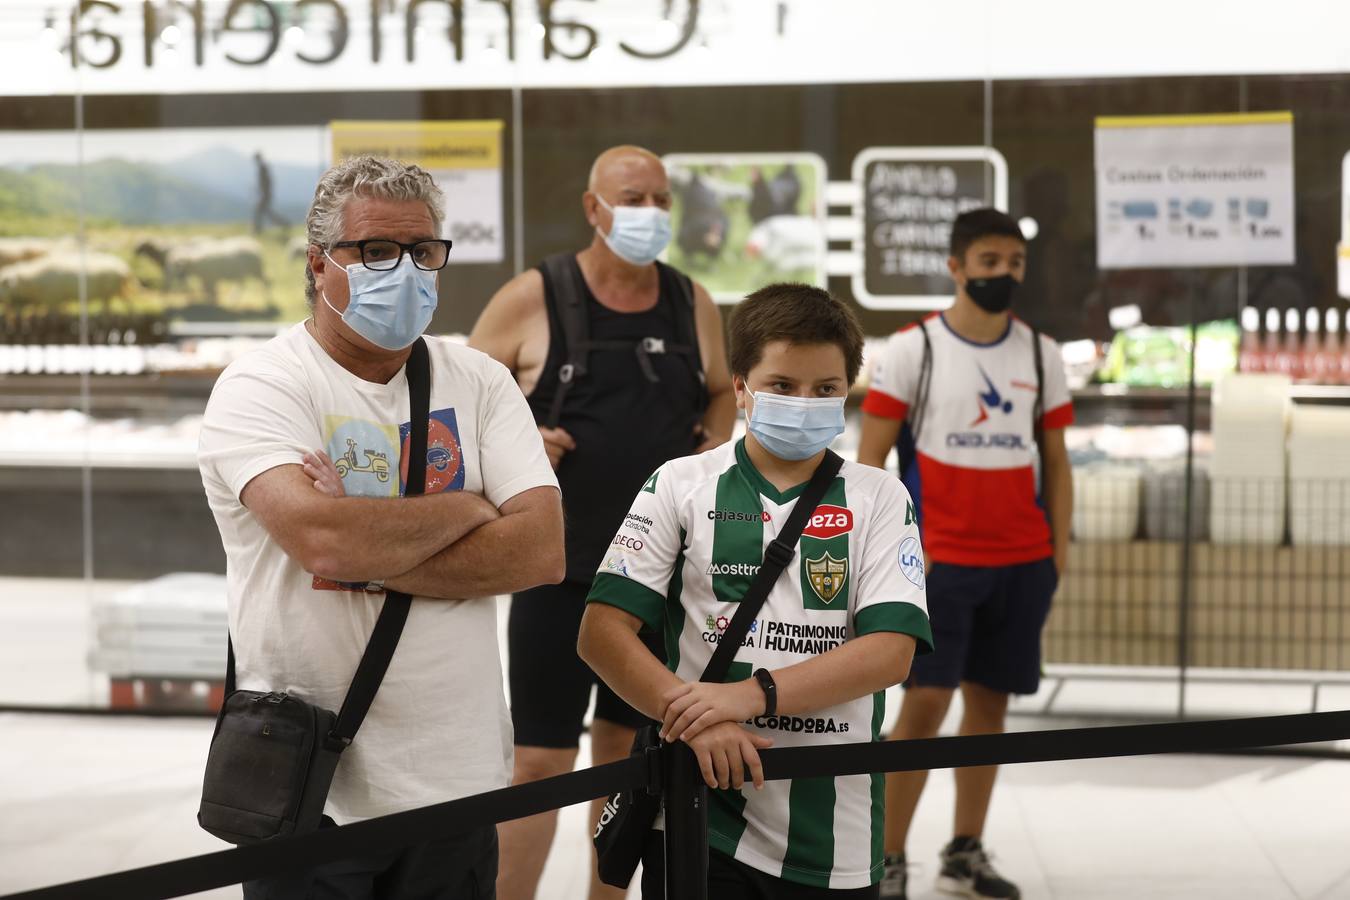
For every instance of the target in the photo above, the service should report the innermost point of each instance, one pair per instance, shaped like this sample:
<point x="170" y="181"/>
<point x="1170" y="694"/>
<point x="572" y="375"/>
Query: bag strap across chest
<point x="570" y="294"/>
<point x="394" y="614"/>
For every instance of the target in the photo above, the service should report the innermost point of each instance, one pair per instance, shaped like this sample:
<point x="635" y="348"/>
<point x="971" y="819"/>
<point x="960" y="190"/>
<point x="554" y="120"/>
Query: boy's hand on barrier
<point x="694" y="706"/>
<point x="320" y="469"/>
<point x="725" y="751"/>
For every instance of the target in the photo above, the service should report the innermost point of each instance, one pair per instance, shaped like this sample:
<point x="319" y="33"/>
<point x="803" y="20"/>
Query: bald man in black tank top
<point x="630" y="413"/>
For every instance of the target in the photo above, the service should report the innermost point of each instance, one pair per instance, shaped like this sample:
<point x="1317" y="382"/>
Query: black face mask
<point x="993" y="295"/>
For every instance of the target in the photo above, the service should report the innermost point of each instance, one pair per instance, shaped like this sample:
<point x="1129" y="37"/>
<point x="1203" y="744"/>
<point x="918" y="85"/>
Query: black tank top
<point x="624" y="424"/>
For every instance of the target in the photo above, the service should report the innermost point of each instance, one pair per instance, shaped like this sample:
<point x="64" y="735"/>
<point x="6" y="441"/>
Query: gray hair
<point x="364" y="176"/>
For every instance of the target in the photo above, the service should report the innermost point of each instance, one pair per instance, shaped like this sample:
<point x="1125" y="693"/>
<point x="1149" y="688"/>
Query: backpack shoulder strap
<point x="917" y="412"/>
<point x="1038" y="413"/>
<point x="568" y="288"/>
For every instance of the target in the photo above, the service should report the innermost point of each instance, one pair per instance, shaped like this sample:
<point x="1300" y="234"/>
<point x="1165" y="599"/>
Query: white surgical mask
<point x="637" y="234"/>
<point x="389" y="307"/>
<point x="796" y="428"/>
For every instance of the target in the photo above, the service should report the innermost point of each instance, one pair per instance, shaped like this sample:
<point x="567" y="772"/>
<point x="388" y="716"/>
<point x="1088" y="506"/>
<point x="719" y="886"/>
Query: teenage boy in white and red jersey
<point x="974" y="405"/>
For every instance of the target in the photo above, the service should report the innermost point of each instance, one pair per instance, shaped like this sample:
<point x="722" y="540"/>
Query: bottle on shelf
<point x="1310" y="354"/>
<point x="1250" y="357"/>
<point x="1291" y="351"/>
<point x="1328" y="362"/>
<point x="1270" y="346"/>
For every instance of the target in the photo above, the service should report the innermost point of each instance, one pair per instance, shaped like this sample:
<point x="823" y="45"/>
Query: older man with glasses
<point x="304" y="455"/>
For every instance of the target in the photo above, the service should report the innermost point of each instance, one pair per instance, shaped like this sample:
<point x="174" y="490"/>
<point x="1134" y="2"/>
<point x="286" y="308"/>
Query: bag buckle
<point x="336" y="742"/>
<point x="653" y="345"/>
<point x="779" y="553"/>
<point x="565" y="373"/>
<point x="653" y="756"/>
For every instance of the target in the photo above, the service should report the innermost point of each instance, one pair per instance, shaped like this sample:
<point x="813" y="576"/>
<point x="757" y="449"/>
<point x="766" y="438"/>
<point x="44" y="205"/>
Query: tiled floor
<point x="81" y="796"/>
<point x="87" y="795"/>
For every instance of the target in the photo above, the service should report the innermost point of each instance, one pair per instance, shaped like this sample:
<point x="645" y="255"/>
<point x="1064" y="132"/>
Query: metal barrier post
<point x="686" y="805"/>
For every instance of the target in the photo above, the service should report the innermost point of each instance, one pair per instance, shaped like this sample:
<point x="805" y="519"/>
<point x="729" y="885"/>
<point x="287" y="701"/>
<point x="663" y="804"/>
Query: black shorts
<point x="731" y="879"/>
<point x="459" y="867"/>
<point x="550" y="685"/>
<point x="986" y="626"/>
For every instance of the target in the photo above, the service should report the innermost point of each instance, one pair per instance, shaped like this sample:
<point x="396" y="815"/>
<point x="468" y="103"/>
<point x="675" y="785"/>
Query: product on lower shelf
<point x="1319" y="476"/>
<point x="1105" y="502"/>
<point x="1247" y="472"/>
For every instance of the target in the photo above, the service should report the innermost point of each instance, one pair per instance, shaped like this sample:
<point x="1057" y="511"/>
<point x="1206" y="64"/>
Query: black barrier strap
<point x="213" y="870"/>
<point x="202" y="873"/>
<point x="1047" y="746"/>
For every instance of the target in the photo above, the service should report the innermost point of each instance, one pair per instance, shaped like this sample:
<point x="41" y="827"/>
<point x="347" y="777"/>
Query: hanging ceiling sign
<point x="910" y="196"/>
<point x="1195" y="191"/>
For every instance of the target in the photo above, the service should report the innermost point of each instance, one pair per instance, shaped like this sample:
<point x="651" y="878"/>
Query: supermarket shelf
<point x="1324" y="393"/>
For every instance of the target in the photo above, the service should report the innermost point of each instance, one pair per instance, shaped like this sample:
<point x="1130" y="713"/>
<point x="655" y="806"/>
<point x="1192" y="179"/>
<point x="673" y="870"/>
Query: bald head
<point x="619" y="163"/>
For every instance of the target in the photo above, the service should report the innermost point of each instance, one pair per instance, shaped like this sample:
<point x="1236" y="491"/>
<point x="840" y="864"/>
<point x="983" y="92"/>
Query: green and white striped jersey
<point x="685" y="556"/>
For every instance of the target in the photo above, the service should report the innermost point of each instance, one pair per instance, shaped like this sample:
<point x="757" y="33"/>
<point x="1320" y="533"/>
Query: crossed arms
<point x="450" y="546"/>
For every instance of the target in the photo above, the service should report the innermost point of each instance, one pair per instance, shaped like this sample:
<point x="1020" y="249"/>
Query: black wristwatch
<point x="770" y="689"/>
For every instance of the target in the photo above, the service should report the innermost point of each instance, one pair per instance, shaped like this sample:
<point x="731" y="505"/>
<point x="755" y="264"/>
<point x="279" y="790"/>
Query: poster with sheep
<point x="743" y="220"/>
<point x="185" y="225"/>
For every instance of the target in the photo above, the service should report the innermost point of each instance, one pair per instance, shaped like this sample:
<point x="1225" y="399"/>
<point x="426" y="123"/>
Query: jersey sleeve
<point x="257" y="419"/>
<point x="895" y="374"/>
<point x="891" y="595"/>
<point x="640" y="561"/>
<point x="1058" y="405"/>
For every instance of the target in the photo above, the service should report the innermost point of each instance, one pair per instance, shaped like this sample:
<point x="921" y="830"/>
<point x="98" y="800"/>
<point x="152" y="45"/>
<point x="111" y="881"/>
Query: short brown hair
<point x="798" y="314"/>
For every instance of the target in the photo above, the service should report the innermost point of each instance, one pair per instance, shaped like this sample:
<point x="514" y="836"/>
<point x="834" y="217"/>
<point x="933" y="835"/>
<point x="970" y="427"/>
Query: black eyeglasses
<point x="382" y="255"/>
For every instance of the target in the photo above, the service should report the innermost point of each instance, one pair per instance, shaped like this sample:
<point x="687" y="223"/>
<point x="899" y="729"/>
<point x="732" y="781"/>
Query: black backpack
<point x="569" y="292"/>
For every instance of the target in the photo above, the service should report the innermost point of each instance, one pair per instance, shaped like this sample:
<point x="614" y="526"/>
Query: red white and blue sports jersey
<point x="974" y="471"/>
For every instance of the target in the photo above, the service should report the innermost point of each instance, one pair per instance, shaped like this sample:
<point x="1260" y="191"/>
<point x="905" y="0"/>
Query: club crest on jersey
<point x="827" y="576"/>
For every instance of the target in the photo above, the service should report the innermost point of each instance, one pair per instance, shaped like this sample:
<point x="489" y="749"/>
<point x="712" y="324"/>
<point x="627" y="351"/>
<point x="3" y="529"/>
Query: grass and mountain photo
<point x="179" y="224"/>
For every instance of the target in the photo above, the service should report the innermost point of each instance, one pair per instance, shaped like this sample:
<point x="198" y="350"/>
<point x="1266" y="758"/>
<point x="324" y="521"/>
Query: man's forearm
<point x="854" y="669"/>
<point x="367" y="538"/>
<point x="514" y="552"/>
<point x="720" y="417"/>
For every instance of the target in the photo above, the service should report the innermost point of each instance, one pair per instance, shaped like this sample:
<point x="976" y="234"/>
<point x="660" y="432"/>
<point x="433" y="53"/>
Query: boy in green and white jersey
<point x="841" y="624"/>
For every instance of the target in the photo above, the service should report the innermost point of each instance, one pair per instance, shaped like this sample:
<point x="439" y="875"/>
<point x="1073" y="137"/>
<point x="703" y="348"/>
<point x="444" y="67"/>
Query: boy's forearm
<point x="854" y="669"/>
<point x="1059" y="503"/>
<point x="617" y="655"/>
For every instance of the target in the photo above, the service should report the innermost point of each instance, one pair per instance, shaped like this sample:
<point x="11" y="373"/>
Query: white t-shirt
<point x="439" y="727"/>
<point x="683" y="559"/>
<point x="973" y="476"/>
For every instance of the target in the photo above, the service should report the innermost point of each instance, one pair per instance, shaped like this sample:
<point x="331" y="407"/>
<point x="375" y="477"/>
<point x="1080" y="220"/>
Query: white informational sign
<point x="1195" y="191"/>
<point x="910" y="198"/>
<point x="1343" y="251"/>
<point x="465" y="159"/>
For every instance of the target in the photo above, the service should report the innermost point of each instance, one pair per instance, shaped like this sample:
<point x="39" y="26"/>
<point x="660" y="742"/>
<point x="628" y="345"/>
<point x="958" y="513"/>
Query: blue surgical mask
<point x="796" y="428"/>
<point x="391" y="307"/>
<point x="638" y="234"/>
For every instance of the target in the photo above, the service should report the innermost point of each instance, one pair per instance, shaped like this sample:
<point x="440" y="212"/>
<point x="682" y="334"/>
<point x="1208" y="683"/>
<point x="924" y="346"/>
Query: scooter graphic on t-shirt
<point x="377" y="463"/>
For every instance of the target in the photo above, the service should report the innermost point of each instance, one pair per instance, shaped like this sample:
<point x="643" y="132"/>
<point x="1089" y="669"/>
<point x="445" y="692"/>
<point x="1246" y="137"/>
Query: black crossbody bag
<point x="628" y="816"/>
<point x="273" y="755"/>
